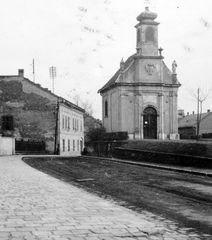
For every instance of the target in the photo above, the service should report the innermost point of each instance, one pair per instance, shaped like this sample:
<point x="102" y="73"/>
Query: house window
<point x="7" y="123"/>
<point x="73" y="145"/>
<point x="73" y="123"/>
<point x="64" y="147"/>
<point x="80" y="126"/>
<point x="68" y="122"/>
<point x="106" y="108"/>
<point x="69" y="145"/>
<point x="63" y="121"/>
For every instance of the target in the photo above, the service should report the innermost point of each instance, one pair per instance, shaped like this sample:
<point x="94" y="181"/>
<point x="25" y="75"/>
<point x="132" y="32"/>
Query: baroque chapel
<point x="141" y="97"/>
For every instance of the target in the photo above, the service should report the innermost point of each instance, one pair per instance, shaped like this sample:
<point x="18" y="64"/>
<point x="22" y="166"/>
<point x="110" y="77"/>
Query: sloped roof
<point x="37" y="85"/>
<point x="112" y="81"/>
<point x="63" y="100"/>
<point x="191" y="120"/>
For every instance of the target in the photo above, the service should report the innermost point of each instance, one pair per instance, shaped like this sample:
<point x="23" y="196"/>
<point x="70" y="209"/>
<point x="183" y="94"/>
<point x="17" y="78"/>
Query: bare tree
<point x="200" y="96"/>
<point x="87" y="106"/>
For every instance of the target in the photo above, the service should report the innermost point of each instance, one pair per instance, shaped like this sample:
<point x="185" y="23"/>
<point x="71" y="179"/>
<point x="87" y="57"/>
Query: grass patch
<point x="177" y="147"/>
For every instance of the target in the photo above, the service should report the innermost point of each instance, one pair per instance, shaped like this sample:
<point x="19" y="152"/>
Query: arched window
<point x="106" y="108"/>
<point x="149" y="35"/>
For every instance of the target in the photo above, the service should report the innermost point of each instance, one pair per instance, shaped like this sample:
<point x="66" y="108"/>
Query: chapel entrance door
<point x="150" y="123"/>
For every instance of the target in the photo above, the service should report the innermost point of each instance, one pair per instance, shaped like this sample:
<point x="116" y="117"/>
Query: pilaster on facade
<point x="137" y="117"/>
<point x="161" y="134"/>
<point x="119" y="110"/>
<point x="171" y="116"/>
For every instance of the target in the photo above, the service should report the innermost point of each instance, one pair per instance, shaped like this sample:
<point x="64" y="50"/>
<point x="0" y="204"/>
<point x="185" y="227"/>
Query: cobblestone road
<point x="34" y="205"/>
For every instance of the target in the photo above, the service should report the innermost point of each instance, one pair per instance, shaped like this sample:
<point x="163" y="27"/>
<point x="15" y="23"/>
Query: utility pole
<point x="198" y="118"/>
<point x="52" y="74"/>
<point x="56" y="140"/>
<point x="33" y="69"/>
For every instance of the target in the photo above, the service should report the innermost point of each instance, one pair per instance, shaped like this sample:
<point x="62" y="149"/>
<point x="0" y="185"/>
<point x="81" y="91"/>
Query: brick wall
<point x="32" y="108"/>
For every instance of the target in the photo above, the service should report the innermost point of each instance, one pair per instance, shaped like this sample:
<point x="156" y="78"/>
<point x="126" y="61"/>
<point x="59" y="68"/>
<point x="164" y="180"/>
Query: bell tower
<point x="147" y="34"/>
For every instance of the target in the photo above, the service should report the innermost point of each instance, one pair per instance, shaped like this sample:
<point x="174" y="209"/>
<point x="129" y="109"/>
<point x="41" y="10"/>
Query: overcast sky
<point x="86" y="39"/>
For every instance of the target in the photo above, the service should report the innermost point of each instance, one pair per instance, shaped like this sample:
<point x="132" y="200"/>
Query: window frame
<point x="7" y="123"/>
<point x="69" y="145"/>
<point x="106" y="108"/>
<point x="64" y="145"/>
<point x="73" y="145"/>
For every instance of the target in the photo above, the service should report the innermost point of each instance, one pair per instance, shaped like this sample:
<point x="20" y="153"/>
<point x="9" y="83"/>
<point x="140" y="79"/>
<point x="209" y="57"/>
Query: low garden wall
<point x="102" y="148"/>
<point x="7" y="145"/>
<point x="183" y="153"/>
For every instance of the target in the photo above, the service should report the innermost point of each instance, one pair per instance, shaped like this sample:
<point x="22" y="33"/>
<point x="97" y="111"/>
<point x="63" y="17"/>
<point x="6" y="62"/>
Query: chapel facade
<point x="141" y="97"/>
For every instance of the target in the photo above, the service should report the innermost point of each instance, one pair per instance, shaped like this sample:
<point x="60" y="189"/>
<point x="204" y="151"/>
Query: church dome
<point x="147" y="15"/>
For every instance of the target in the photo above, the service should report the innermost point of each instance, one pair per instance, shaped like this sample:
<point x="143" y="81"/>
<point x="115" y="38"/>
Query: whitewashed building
<point x="71" y="129"/>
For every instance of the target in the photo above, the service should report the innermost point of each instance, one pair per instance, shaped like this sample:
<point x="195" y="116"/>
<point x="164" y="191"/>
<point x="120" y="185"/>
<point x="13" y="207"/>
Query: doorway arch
<point x="150" y="123"/>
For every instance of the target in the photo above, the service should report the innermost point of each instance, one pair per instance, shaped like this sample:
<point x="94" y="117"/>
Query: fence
<point x="29" y="147"/>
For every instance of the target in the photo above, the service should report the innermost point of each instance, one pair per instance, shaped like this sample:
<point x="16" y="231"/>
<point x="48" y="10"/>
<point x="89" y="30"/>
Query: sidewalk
<point x="34" y="205"/>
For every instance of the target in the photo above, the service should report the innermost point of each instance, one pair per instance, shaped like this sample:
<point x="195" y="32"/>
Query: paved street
<point x="34" y="205"/>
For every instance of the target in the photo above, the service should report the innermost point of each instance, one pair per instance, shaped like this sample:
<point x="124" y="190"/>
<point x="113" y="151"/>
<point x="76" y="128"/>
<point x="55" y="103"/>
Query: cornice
<point x="137" y="84"/>
<point x="148" y="57"/>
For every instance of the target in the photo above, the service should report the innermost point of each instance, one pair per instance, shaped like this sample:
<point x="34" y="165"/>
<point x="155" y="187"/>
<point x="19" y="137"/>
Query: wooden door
<point x="150" y="123"/>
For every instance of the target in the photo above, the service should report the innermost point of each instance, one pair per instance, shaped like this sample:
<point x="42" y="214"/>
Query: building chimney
<point x="208" y="110"/>
<point x="21" y="72"/>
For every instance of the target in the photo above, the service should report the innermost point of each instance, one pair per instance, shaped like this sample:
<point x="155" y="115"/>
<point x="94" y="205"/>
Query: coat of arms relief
<point x="150" y="68"/>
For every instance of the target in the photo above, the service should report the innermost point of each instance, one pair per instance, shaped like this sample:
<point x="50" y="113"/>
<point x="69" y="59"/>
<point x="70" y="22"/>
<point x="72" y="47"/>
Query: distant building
<point x="31" y="113"/>
<point x="181" y="114"/>
<point x="187" y="126"/>
<point x="141" y="98"/>
<point x="90" y="123"/>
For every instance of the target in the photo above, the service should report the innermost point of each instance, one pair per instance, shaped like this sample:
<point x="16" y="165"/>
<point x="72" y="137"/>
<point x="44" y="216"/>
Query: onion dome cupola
<point x="147" y="34"/>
